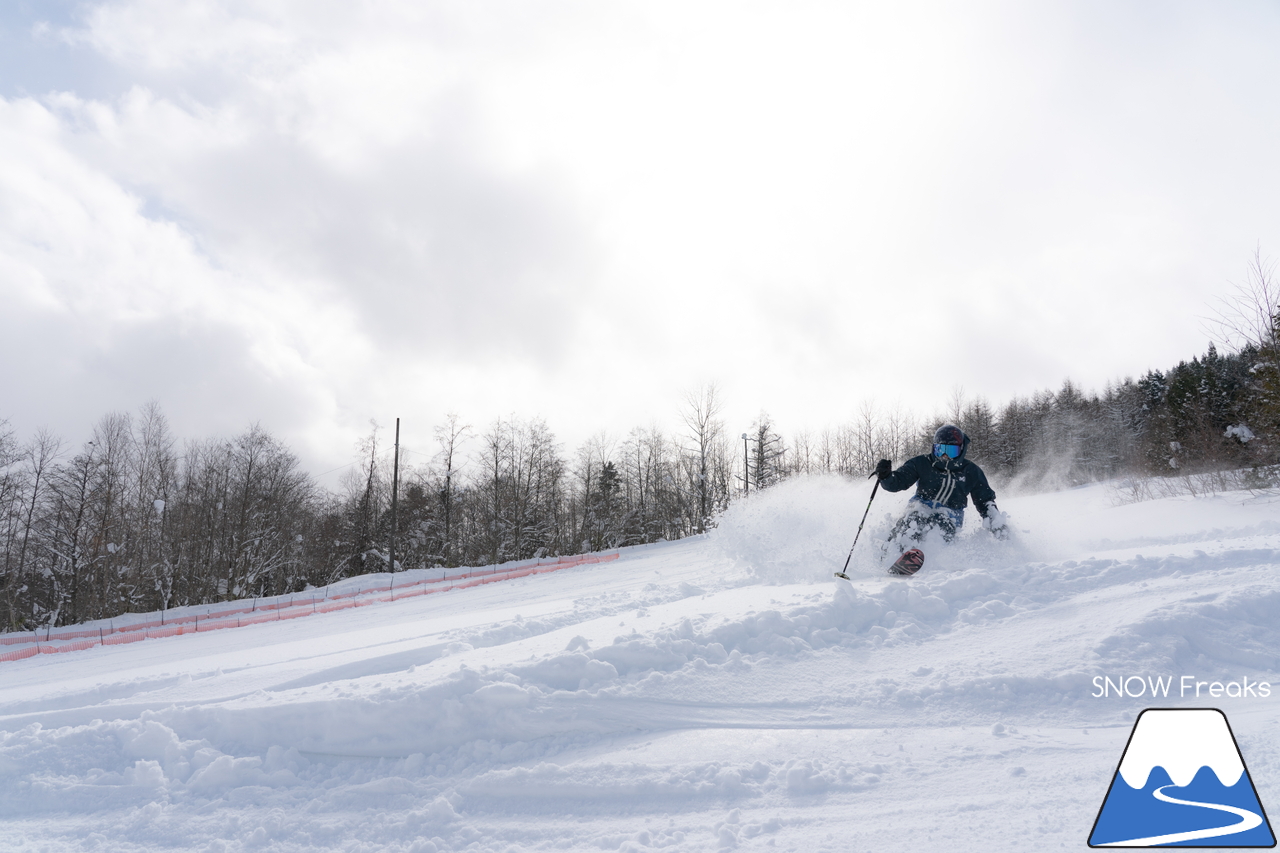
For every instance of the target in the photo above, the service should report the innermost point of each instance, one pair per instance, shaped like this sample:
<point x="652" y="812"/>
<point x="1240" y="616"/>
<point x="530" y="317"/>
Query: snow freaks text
<point x="1186" y="687"/>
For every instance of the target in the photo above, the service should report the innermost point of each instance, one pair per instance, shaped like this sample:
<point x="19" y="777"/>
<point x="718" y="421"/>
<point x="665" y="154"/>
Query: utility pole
<point x="746" y="468"/>
<point x="395" y="489"/>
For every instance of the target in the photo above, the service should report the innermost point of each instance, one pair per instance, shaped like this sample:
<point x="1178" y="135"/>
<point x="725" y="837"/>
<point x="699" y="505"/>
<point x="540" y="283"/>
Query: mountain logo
<point x="1181" y="782"/>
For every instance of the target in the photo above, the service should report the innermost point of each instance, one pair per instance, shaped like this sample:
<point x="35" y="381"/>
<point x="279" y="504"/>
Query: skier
<point x="944" y="483"/>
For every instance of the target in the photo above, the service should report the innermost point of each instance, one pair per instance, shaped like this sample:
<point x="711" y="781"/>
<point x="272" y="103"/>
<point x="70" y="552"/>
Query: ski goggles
<point x="951" y="451"/>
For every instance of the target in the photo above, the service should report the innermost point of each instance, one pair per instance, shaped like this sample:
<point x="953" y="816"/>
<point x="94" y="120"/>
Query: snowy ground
<point x="723" y="692"/>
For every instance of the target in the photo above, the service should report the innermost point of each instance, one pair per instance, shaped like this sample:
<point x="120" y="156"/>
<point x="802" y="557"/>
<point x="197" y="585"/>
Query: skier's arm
<point x="984" y="497"/>
<point x="903" y="478"/>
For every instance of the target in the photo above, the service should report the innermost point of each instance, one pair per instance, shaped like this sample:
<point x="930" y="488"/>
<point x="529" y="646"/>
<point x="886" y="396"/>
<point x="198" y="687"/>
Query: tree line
<point x="133" y="521"/>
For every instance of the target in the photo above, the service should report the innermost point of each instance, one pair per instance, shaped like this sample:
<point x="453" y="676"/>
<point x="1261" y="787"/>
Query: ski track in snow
<point x="722" y="692"/>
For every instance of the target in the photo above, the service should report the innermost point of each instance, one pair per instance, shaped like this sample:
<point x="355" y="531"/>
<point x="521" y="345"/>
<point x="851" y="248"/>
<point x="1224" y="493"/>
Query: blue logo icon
<point x="1181" y="783"/>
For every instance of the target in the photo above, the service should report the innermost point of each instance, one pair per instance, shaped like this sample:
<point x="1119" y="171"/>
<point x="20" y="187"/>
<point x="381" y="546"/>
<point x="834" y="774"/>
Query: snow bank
<point x="799" y="530"/>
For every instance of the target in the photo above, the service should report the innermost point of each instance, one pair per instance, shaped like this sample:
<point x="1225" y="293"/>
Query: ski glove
<point x="883" y="469"/>
<point x="997" y="522"/>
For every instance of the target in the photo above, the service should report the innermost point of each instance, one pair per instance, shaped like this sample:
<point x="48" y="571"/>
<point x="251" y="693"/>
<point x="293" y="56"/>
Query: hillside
<point x="721" y="692"/>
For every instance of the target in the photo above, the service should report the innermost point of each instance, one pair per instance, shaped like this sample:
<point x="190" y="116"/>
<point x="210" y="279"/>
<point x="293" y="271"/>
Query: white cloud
<point x="579" y="209"/>
<point x="106" y="307"/>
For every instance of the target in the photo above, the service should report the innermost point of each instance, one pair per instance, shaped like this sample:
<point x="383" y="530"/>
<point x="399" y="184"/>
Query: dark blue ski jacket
<point x="943" y="483"/>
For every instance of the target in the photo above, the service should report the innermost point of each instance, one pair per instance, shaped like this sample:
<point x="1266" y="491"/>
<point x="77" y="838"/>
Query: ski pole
<point x="874" y="489"/>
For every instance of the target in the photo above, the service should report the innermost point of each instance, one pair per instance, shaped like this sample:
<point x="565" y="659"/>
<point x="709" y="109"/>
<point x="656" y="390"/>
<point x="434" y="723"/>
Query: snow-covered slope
<point x="723" y="692"/>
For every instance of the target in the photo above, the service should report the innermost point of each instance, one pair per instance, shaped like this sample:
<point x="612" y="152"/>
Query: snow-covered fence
<point x="236" y="615"/>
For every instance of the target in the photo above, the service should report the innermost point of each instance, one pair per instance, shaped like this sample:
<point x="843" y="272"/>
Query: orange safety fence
<point x="292" y="608"/>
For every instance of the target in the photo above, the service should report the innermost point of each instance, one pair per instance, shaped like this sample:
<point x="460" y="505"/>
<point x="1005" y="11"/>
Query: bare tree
<point x="70" y="587"/>
<point x="108" y="552"/>
<point x="151" y="485"/>
<point x="650" y="469"/>
<point x="364" y="500"/>
<point x="701" y="416"/>
<point x="866" y="434"/>
<point x="956" y="405"/>
<point x="828" y="450"/>
<point x="450" y="437"/>
<point x="22" y="493"/>
<point x="592" y="505"/>
<point x="1248" y="316"/>
<point x="802" y="453"/>
<point x="40" y="457"/>
<point x="1250" y="321"/>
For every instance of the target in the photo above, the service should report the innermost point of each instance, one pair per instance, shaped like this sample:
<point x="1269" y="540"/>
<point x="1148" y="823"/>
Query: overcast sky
<point x="309" y="214"/>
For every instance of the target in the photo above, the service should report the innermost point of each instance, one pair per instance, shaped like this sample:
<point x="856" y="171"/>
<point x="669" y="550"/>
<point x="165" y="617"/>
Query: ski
<point x="905" y="566"/>
<point x="908" y="564"/>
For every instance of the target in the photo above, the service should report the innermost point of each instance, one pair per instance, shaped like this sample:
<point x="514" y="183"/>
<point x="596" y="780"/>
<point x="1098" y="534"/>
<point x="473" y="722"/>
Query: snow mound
<point x="797" y="531"/>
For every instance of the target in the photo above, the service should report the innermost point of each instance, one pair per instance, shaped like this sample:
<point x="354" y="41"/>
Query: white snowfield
<point x="724" y="692"/>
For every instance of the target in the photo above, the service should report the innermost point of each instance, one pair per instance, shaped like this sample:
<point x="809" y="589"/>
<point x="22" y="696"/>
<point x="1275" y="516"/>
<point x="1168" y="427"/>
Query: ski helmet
<point x="952" y="436"/>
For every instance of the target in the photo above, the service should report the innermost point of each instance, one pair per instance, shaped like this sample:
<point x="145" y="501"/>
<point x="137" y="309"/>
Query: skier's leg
<point x="942" y="519"/>
<point x="946" y="523"/>
<point x="906" y="534"/>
